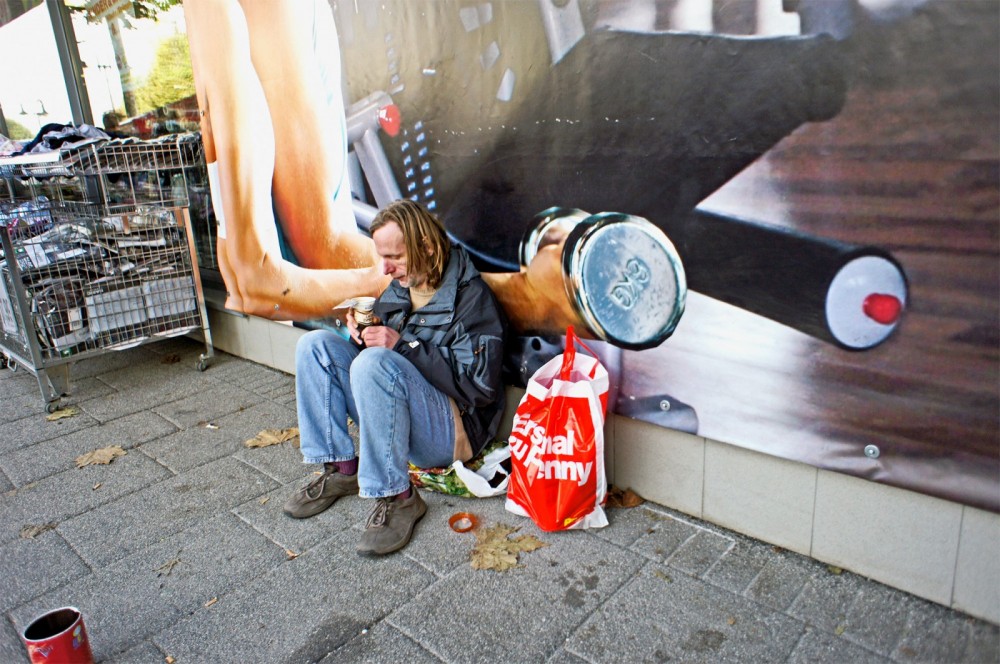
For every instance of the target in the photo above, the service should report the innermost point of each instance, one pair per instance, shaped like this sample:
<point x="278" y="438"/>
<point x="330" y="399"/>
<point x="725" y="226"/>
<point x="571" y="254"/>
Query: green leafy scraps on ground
<point x="495" y="550"/>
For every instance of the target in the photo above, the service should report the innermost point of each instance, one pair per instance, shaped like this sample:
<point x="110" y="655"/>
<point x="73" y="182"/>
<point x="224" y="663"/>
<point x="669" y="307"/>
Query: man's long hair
<point x="421" y="231"/>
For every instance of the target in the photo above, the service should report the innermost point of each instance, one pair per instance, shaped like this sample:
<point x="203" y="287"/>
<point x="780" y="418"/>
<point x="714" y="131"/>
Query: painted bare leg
<point x="260" y="282"/>
<point x="297" y="59"/>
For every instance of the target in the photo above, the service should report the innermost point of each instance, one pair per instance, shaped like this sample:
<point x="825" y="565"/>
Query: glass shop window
<point x="137" y="70"/>
<point x="140" y="82"/>
<point x="136" y="65"/>
<point x="32" y="91"/>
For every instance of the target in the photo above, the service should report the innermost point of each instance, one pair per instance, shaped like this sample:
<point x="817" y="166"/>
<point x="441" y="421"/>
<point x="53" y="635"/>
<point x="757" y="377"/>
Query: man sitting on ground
<point x="424" y="386"/>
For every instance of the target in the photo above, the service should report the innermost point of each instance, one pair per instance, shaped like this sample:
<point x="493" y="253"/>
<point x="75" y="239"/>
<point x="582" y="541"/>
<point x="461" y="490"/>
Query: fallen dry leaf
<point x="495" y="550"/>
<point x="211" y="602"/>
<point x="26" y="487"/>
<point x="69" y="411"/>
<point x="731" y="621"/>
<point x="833" y="569"/>
<point x="169" y="660"/>
<point x="269" y="437"/>
<point x="173" y="358"/>
<point x="103" y="456"/>
<point x="264" y="500"/>
<point x="840" y="629"/>
<point x="623" y="498"/>
<point x="663" y="575"/>
<point x="31" y="531"/>
<point x="167" y="567"/>
<point x="291" y="554"/>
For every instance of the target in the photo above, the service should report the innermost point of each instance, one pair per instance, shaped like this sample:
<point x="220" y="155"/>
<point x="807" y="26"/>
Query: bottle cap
<point x="463" y="522"/>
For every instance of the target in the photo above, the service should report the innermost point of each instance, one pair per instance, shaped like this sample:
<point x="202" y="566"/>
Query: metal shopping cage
<point x="100" y="257"/>
<point x="118" y="174"/>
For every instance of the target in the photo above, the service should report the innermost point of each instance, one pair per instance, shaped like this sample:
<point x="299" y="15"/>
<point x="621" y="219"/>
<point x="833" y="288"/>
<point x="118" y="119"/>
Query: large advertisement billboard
<point x="780" y="217"/>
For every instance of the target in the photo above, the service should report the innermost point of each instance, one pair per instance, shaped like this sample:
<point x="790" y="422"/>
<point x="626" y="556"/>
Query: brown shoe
<point x="319" y="494"/>
<point x="391" y="523"/>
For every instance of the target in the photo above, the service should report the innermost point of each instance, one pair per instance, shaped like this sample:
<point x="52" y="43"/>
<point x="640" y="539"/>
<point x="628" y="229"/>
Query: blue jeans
<point x="402" y="417"/>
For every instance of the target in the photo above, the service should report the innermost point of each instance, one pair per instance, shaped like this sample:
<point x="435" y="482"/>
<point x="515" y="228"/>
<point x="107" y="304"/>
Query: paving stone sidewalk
<point x="178" y="551"/>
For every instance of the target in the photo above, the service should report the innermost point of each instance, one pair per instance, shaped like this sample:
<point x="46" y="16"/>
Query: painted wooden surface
<point x="910" y="164"/>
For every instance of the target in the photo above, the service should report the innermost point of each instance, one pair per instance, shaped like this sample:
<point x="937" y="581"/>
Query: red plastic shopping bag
<point x="557" y="443"/>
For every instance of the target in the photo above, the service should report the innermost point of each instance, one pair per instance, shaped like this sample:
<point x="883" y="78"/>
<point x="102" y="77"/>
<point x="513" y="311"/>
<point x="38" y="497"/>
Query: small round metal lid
<point x="549" y="226"/>
<point x="625" y="279"/>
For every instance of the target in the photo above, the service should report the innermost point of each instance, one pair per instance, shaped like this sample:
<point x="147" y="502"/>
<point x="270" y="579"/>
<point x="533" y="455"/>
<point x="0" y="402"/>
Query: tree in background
<point x="170" y="78"/>
<point x="139" y="9"/>
<point x="18" y="131"/>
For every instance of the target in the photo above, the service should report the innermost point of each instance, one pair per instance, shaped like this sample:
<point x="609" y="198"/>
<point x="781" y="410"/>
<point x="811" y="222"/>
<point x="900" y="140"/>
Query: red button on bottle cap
<point x="881" y="308"/>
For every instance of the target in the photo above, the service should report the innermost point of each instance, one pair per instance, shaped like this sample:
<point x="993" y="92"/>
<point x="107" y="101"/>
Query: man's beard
<point x="416" y="281"/>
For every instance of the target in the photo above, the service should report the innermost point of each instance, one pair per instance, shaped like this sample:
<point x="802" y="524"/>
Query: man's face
<point x="392" y="250"/>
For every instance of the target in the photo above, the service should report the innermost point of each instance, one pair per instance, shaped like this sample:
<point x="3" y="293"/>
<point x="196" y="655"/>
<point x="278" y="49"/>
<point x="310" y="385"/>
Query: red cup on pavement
<point x="58" y="637"/>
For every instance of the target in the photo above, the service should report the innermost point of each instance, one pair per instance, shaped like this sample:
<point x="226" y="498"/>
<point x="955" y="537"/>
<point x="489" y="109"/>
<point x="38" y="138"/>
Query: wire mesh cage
<point x="100" y="257"/>
<point x="119" y="174"/>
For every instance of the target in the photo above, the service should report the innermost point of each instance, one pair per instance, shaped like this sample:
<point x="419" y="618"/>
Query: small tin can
<point x="58" y="636"/>
<point x="364" y="311"/>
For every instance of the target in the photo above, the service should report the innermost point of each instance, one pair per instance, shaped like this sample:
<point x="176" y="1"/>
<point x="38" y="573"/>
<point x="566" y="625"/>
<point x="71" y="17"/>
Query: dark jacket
<point x="456" y="341"/>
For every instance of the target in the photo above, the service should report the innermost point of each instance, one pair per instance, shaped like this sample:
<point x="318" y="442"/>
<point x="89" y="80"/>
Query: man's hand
<point x="352" y="326"/>
<point x="380" y="336"/>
